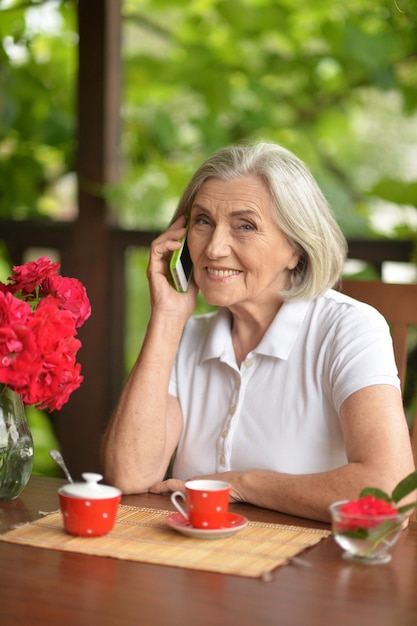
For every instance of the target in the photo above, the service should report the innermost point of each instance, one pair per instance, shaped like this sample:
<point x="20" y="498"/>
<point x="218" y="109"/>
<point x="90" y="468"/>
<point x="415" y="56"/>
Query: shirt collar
<point x="277" y="341"/>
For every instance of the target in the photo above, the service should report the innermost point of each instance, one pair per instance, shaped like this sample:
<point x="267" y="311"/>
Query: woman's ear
<point x="294" y="260"/>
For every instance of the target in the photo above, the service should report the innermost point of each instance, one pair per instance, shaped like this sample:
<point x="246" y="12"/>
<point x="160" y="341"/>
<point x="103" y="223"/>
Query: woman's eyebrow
<point x="199" y="207"/>
<point x="243" y="212"/>
<point x="237" y="213"/>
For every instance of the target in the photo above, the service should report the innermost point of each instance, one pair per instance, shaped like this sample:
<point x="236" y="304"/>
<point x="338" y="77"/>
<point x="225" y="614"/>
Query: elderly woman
<point x="289" y="391"/>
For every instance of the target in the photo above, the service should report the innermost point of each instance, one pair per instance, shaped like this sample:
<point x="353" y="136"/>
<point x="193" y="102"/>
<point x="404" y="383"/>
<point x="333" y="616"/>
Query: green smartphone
<point x="181" y="267"/>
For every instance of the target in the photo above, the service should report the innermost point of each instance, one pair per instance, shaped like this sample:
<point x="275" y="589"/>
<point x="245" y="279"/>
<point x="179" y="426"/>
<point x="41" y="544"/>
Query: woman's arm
<point x="378" y="451"/>
<point x="146" y="425"/>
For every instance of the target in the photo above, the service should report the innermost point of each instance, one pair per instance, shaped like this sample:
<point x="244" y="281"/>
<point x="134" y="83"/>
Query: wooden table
<point x="47" y="587"/>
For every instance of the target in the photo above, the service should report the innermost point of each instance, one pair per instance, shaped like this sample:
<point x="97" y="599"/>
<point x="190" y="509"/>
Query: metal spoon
<point x="58" y="458"/>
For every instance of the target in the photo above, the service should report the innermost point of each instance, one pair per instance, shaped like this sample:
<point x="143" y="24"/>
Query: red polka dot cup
<point x="207" y="503"/>
<point x="89" y="509"/>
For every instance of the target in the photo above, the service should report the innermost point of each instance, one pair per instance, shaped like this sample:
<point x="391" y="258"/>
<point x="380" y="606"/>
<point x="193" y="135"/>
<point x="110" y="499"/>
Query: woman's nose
<point x="219" y="243"/>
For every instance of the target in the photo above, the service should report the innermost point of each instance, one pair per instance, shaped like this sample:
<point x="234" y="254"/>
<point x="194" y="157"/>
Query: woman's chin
<point x="213" y="298"/>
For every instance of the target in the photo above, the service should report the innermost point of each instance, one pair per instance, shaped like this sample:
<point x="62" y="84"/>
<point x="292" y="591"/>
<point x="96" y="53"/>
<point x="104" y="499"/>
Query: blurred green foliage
<point x="37" y="124"/>
<point x="43" y="440"/>
<point x="335" y="82"/>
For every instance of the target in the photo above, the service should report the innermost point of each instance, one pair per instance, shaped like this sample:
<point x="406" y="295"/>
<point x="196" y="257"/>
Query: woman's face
<point x="240" y="256"/>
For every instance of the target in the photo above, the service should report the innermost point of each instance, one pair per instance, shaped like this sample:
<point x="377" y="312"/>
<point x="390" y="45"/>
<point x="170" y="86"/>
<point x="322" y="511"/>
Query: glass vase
<point x="16" y="445"/>
<point x="365" y="538"/>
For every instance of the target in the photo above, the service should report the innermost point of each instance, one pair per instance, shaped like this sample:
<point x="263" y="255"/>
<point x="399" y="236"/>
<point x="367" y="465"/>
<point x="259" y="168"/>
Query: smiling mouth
<point x="222" y="273"/>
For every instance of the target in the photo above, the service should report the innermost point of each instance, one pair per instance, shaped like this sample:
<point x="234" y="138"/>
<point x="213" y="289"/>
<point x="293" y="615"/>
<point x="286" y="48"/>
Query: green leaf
<point x="396" y="191"/>
<point x="405" y="487"/>
<point x="407" y="507"/>
<point x="373" y="491"/>
<point x="358" y="533"/>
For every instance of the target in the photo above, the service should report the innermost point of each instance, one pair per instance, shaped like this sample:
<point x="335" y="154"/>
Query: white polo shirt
<point x="279" y="410"/>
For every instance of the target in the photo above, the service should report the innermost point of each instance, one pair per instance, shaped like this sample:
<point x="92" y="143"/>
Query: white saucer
<point x="234" y="523"/>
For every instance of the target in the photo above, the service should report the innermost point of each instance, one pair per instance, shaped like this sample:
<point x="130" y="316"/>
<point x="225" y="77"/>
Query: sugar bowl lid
<point x="90" y="489"/>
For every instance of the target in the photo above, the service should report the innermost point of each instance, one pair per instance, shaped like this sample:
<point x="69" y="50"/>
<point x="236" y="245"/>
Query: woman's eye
<point x="246" y="227"/>
<point x="201" y="220"/>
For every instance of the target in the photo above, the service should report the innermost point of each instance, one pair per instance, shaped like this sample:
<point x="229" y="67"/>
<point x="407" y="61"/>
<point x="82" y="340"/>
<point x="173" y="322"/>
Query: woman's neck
<point x="249" y="327"/>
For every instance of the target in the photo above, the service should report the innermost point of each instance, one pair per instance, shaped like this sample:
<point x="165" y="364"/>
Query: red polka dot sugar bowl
<point x="89" y="509"/>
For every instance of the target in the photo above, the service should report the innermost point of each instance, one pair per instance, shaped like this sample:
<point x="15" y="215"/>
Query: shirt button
<point x="225" y="433"/>
<point x="248" y="362"/>
<point x="232" y="409"/>
<point x="222" y="460"/>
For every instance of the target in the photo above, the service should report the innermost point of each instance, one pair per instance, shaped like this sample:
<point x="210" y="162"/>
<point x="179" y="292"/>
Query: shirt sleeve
<point x="172" y="387"/>
<point x="361" y="353"/>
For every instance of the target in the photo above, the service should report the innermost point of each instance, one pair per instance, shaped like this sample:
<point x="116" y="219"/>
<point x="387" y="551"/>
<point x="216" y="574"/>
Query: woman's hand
<point x="229" y="477"/>
<point x="168" y="486"/>
<point x="174" y="484"/>
<point x="164" y="296"/>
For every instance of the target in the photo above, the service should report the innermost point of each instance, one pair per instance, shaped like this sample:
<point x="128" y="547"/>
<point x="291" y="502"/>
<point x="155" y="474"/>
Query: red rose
<point x="12" y="310"/>
<point x="18" y="356"/>
<point x="71" y="295"/>
<point x="26" y="277"/>
<point x="51" y="372"/>
<point x="38" y="343"/>
<point x="368" y="509"/>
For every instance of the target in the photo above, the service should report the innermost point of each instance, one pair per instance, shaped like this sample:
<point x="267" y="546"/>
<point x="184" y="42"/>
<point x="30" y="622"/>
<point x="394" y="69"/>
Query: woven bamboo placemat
<point x="141" y="534"/>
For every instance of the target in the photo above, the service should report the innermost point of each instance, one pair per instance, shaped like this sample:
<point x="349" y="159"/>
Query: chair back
<point x="398" y="304"/>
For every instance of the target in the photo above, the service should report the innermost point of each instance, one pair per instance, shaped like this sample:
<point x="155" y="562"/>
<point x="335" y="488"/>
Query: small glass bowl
<point x="365" y="538"/>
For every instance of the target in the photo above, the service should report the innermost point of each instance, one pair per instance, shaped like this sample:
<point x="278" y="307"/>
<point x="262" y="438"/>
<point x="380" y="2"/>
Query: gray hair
<point x="300" y="210"/>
